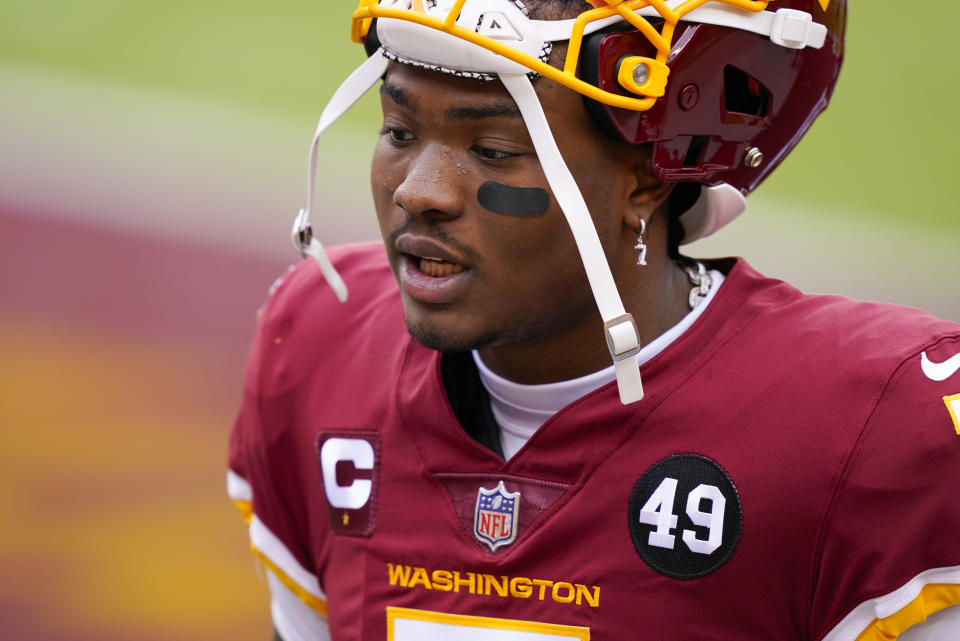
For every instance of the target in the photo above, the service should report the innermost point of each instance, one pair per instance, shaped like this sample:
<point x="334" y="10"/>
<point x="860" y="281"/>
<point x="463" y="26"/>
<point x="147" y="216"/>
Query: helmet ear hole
<point x="744" y="94"/>
<point x="695" y="151"/>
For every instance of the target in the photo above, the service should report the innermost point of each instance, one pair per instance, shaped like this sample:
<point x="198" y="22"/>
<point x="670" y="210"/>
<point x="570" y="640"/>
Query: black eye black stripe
<point x="513" y="201"/>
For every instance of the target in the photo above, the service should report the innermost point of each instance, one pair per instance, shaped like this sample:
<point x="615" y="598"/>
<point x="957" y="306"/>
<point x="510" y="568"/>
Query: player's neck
<point x="657" y="298"/>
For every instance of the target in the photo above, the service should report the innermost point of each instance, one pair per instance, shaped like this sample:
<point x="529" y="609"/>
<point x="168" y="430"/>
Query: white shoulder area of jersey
<point x="293" y="619"/>
<point x="279" y="560"/>
<point x="892" y="615"/>
<point x="940" y="626"/>
<point x="238" y="489"/>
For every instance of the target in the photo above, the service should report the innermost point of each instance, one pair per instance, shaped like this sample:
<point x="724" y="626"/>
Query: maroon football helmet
<point x="736" y="102"/>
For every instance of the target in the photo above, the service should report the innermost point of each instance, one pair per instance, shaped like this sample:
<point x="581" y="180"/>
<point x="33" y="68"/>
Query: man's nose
<point x="432" y="185"/>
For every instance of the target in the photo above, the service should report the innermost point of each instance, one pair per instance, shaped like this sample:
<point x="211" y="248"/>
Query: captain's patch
<point x="685" y="516"/>
<point x="349" y="460"/>
<point x="496" y="517"/>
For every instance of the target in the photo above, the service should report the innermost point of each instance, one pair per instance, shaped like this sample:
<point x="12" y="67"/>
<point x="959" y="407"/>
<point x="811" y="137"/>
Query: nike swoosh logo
<point x="940" y="371"/>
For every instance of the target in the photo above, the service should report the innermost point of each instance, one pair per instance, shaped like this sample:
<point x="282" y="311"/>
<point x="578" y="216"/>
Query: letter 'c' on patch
<point x="513" y="201"/>
<point x="349" y="461"/>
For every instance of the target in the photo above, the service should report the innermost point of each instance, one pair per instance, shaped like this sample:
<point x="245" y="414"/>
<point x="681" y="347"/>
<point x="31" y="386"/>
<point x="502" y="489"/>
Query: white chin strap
<point x="352" y="89"/>
<point x="623" y="340"/>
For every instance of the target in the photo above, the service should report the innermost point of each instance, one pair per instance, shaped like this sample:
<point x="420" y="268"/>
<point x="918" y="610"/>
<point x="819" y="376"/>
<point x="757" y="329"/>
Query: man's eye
<point x="492" y="154"/>
<point x="397" y="135"/>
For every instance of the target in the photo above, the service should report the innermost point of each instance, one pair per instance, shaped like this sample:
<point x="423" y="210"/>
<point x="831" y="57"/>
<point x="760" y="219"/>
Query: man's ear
<point x="648" y="194"/>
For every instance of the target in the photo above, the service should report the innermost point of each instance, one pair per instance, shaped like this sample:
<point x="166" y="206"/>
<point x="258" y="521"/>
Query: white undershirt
<point x="520" y="409"/>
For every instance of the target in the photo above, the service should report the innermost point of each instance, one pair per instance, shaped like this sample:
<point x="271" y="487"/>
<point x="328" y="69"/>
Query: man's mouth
<point x="439" y="268"/>
<point x="432" y="280"/>
<point x="429" y="271"/>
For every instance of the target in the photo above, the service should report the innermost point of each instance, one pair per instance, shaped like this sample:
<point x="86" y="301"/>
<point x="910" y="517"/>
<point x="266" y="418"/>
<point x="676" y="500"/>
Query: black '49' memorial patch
<point x="685" y="516"/>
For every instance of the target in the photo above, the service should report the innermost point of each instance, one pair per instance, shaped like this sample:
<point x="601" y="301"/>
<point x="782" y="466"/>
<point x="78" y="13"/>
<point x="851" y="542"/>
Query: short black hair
<point x="555" y="9"/>
<point x="682" y="198"/>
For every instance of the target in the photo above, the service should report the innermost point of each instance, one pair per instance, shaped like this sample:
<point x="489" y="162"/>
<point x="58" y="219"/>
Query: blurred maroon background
<point x="122" y="359"/>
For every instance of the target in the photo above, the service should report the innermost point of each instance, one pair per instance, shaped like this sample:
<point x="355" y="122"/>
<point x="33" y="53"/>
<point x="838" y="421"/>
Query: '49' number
<point x="709" y="523"/>
<point x="658" y="511"/>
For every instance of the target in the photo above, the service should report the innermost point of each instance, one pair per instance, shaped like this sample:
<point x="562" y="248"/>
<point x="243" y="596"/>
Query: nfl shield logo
<point x="495" y="519"/>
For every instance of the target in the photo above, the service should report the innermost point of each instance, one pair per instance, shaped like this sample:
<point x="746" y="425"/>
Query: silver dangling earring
<point x="642" y="248"/>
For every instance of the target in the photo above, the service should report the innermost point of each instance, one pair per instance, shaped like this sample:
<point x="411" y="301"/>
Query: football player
<point x="526" y="415"/>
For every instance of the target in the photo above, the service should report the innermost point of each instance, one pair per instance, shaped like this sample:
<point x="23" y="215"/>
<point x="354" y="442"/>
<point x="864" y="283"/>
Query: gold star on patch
<point x="824" y="4"/>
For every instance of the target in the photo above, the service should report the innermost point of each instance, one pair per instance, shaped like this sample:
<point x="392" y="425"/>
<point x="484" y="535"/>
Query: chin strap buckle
<point x="623" y="341"/>
<point x="302" y="233"/>
<point x="623" y="338"/>
<point x="308" y="246"/>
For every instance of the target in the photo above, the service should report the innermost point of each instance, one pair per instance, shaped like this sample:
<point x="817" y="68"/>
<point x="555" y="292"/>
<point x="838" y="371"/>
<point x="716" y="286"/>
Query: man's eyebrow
<point x="398" y="95"/>
<point x="496" y="109"/>
<point x="501" y="108"/>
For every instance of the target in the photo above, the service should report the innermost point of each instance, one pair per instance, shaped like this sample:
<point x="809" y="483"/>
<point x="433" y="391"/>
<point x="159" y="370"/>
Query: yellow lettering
<point x="543" y="586"/>
<point x="593" y="598"/>
<point x="562" y="585"/>
<point x="520" y="587"/>
<point x="441" y="580"/>
<point x="419" y="578"/>
<point x="457" y="582"/>
<point x="399" y="574"/>
<point x="499" y="588"/>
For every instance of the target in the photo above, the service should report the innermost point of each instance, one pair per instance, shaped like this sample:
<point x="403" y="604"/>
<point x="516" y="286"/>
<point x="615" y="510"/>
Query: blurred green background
<point x="152" y="156"/>
<point x="883" y="147"/>
<point x="209" y="106"/>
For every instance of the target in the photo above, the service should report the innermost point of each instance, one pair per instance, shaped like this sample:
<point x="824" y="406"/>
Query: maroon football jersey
<point x="793" y="463"/>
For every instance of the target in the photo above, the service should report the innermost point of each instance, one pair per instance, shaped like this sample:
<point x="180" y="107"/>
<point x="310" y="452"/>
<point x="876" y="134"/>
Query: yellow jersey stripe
<point x="932" y="598"/>
<point x="246" y="510"/>
<point x="312" y="601"/>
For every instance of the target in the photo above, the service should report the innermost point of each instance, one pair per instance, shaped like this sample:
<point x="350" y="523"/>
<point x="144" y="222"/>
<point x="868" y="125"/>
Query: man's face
<point x="502" y="267"/>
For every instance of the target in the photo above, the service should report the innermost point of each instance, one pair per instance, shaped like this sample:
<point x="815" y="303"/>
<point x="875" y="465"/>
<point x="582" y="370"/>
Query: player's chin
<point x="451" y="336"/>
